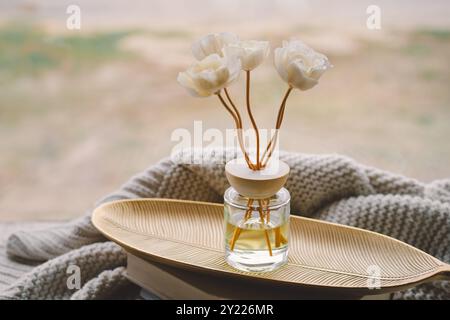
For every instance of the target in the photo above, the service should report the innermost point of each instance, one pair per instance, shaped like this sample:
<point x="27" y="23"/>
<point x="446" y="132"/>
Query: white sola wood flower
<point x="221" y="57"/>
<point x="251" y="53"/>
<point x="212" y="44"/>
<point x="299" y="65"/>
<point x="210" y="75"/>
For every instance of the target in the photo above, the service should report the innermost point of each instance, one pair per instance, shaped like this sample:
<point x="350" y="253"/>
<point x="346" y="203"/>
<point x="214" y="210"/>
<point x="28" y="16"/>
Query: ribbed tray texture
<point x="320" y="254"/>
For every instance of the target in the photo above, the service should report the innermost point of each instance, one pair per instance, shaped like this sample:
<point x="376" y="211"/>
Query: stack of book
<point x="160" y="280"/>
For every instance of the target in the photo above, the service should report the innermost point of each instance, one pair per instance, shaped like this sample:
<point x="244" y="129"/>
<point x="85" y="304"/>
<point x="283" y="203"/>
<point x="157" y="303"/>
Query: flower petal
<point x="299" y="65"/>
<point x="185" y="81"/>
<point x="251" y="53"/>
<point x="212" y="44"/>
<point x="298" y="77"/>
<point x="279" y="59"/>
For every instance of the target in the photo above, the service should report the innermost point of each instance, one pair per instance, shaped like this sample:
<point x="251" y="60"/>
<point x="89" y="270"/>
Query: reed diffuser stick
<point x="239" y="127"/>
<point x="252" y="119"/>
<point x="271" y="146"/>
<point x="238" y="122"/>
<point x="267" y="207"/>
<point x="266" y="233"/>
<point x="237" y="230"/>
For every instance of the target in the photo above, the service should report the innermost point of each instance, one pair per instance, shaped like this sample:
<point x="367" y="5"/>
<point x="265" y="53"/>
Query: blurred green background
<point x="83" y="110"/>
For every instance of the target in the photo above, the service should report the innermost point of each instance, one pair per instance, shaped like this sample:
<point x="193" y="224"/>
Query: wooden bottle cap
<point x="256" y="184"/>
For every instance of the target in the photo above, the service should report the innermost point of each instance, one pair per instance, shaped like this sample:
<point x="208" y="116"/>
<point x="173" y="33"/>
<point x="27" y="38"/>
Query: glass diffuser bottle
<point x="256" y="212"/>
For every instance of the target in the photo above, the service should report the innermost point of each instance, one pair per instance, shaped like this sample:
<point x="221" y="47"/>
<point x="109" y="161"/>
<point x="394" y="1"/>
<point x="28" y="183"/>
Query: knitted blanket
<point x="328" y="187"/>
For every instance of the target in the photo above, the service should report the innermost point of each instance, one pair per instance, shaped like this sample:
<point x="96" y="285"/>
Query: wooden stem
<point x="238" y="122"/>
<point x="266" y="233"/>
<point x="240" y="131"/>
<point x="263" y="206"/>
<point x="271" y="146"/>
<point x="237" y="230"/>
<point x="236" y="234"/>
<point x="277" y="237"/>
<point x="267" y="204"/>
<point x="234" y="107"/>
<point x="252" y="119"/>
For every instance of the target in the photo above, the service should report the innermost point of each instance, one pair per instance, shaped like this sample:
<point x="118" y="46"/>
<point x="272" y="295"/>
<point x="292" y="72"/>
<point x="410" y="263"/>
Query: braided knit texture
<point x="328" y="187"/>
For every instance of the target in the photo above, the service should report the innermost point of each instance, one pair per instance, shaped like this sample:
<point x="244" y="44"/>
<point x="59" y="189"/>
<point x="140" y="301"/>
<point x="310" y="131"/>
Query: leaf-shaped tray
<point x="323" y="255"/>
